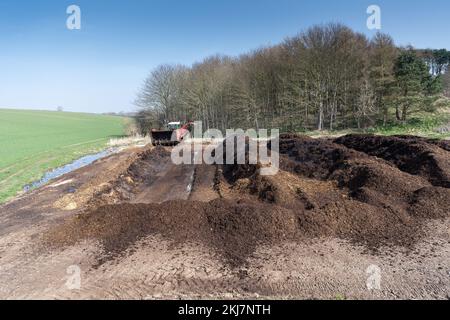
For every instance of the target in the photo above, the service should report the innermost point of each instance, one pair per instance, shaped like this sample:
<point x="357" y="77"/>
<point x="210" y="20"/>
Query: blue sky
<point x="100" y="67"/>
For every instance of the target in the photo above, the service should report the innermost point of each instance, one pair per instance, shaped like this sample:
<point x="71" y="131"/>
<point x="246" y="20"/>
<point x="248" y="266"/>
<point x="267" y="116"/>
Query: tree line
<point x="327" y="77"/>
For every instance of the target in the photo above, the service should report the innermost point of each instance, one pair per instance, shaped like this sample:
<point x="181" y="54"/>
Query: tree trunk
<point x="320" y="125"/>
<point x="404" y="114"/>
<point x="397" y="114"/>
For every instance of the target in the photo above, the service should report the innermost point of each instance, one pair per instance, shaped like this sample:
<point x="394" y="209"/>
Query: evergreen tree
<point x="414" y="84"/>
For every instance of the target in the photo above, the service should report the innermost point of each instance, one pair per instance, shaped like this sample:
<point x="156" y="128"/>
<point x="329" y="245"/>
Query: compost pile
<point x="372" y="191"/>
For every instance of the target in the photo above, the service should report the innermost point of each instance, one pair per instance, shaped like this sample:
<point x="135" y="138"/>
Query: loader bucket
<point x="164" y="138"/>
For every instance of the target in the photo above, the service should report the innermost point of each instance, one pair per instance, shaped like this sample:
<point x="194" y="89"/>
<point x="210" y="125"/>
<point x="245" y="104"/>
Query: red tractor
<point x="171" y="135"/>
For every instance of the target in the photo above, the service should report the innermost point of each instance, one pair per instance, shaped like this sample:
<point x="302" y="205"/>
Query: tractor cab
<point x="173" y="126"/>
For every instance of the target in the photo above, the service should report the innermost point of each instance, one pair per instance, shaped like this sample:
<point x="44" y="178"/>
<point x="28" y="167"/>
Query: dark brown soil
<point x="312" y="158"/>
<point x="357" y="188"/>
<point x="233" y="228"/>
<point x="417" y="156"/>
<point x="234" y="172"/>
<point x="444" y="144"/>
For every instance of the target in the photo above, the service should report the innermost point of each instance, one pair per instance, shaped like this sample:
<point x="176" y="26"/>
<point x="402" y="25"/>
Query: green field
<point x="33" y="142"/>
<point x="423" y="125"/>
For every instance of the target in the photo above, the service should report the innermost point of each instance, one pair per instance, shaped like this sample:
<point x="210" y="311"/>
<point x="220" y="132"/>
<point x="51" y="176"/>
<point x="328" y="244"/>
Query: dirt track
<point x="138" y="226"/>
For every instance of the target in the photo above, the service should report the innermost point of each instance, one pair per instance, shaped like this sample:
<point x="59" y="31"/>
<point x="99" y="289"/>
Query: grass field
<point x="33" y="142"/>
<point x="424" y="125"/>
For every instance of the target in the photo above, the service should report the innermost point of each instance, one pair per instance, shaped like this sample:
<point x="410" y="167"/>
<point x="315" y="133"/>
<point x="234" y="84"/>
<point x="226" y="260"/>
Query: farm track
<point x="139" y="227"/>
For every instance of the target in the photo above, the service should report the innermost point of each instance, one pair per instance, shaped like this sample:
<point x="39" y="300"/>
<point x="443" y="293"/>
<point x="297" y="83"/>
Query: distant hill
<point x="121" y="114"/>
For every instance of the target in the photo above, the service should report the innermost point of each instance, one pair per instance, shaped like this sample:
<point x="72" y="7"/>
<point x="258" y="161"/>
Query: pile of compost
<point x="376" y="192"/>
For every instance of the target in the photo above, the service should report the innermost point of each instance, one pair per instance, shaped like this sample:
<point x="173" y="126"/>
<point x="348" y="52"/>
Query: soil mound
<point x="418" y="156"/>
<point x="430" y="202"/>
<point x="233" y="228"/>
<point x="443" y="144"/>
<point x="325" y="188"/>
<point x="350" y="194"/>
<point x="313" y="158"/>
<point x="240" y="166"/>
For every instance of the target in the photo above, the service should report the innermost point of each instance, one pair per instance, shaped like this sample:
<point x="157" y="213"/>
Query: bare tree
<point x="382" y="59"/>
<point x="366" y="106"/>
<point x="161" y="92"/>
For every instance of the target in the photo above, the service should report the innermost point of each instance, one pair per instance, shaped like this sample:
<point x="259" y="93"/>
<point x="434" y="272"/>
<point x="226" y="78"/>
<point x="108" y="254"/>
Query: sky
<point x="101" y="67"/>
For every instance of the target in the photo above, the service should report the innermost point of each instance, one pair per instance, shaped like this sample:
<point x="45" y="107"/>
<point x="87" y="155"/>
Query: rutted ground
<point x="141" y="227"/>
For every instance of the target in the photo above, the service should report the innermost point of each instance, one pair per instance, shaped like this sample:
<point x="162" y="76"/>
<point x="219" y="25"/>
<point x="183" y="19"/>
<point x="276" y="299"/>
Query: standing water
<point x="58" y="172"/>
